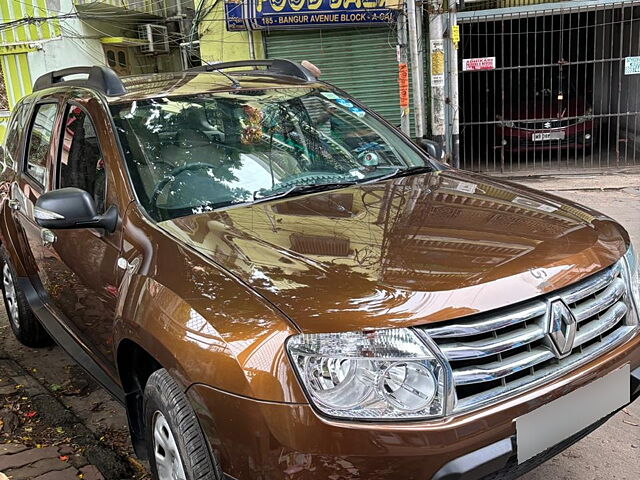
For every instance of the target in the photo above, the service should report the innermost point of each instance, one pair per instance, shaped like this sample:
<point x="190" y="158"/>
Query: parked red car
<point x="550" y="116"/>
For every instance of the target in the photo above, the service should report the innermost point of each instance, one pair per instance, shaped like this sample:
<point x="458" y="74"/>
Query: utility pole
<point x="417" y="72"/>
<point x="436" y="50"/>
<point x="453" y="135"/>
<point x="403" y="74"/>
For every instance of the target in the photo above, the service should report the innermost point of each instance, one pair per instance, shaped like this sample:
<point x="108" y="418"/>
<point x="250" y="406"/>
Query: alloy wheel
<point x="165" y="449"/>
<point x="10" y="295"/>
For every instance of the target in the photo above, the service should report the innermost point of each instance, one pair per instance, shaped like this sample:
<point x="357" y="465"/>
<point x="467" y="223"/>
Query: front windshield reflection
<point x="188" y="155"/>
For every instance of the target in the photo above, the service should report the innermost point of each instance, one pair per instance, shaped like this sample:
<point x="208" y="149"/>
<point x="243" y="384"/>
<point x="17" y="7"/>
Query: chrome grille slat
<point x="499" y="369"/>
<point x="603" y="301"/>
<point x="490" y="323"/>
<point x="492" y="346"/>
<point x="548" y="372"/>
<point x="512" y="349"/>
<point x="592" y="285"/>
<point x="614" y="315"/>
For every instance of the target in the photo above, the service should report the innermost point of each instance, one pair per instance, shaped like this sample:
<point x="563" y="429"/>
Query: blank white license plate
<point x="554" y="422"/>
<point x="542" y="136"/>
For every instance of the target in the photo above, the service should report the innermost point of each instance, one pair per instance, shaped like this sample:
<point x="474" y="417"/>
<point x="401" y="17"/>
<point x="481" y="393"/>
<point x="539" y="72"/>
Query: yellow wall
<point x="14" y="43"/>
<point x="218" y="45"/>
<point x="15" y="9"/>
<point x="4" y="119"/>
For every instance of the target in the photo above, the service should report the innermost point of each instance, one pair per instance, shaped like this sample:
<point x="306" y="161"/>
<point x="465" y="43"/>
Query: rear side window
<point x="81" y="162"/>
<point x="13" y="132"/>
<point x="39" y="141"/>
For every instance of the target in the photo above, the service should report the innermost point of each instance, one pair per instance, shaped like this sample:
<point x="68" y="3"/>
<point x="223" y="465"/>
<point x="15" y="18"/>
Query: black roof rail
<point x="274" y="66"/>
<point x="98" y="78"/>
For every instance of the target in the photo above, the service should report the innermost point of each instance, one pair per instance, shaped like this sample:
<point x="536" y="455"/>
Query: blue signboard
<point x="296" y="14"/>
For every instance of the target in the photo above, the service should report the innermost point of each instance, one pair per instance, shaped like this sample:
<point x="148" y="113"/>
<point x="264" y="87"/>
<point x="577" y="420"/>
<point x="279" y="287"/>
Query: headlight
<point x="634" y="275"/>
<point x="386" y="374"/>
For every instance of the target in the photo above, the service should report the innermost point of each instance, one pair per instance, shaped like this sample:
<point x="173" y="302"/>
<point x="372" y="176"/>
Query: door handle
<point x="48" y="237"/>
<point x="14" y="204"/>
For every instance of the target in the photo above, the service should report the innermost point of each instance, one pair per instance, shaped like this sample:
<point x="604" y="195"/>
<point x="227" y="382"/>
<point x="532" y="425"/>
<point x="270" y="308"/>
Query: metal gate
<point x="550" y="86"/>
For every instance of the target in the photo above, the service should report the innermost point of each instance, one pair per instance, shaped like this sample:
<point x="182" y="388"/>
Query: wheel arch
<point x="135" y="366"/>
<point x="13" y="241"/>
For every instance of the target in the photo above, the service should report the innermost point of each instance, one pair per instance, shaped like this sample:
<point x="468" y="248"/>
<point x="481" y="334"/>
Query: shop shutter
<point x="361" y="61"/>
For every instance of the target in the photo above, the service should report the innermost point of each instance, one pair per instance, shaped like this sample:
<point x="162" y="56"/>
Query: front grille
<point x="501" y="353"/>
<point x="546" y="124"/>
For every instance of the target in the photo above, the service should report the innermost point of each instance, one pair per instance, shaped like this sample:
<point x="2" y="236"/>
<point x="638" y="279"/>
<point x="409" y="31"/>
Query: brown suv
<point x="279" y="285"/>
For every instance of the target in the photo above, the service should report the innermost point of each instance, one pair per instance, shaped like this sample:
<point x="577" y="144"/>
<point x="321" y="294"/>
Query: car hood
<point x="406" y="251"/>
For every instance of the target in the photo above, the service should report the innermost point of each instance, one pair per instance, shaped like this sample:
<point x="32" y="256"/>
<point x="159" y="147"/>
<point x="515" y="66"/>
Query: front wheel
<point x="177" y="447"/>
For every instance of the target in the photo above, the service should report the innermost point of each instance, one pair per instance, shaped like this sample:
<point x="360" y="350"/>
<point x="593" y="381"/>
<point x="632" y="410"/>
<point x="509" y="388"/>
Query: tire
<point x="26" y="327"/>
<point x="168" y="414"/>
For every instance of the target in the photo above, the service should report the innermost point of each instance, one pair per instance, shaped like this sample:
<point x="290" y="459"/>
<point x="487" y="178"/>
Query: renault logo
<point x="562" y="328"/>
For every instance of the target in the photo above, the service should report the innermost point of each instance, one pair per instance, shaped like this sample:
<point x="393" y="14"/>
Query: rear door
<point x="78" y="267"/>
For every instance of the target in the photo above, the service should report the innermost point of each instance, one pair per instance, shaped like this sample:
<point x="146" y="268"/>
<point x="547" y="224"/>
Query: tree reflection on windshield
<point x="191" y="154"/>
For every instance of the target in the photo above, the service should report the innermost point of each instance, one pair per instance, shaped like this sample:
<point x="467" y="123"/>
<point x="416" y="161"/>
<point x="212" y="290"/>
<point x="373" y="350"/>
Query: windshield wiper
<point x="403" y="172"/>
<point x="318" y="187"/>
<point x="302" y="189"/>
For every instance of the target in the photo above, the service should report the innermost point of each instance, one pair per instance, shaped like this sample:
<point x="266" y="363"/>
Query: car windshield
<point x="544" y="85"/>
<point x="187" y="155"/>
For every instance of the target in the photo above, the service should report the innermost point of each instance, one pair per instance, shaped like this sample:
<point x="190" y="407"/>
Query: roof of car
<point x="256" y="74"/>
<point x="194" y="83"/>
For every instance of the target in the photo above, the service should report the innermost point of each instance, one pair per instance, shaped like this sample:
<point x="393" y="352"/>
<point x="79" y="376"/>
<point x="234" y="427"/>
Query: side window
<point x="13" y="132"/>
<point x="38" y="151"/>
<point x="81" y="163"/>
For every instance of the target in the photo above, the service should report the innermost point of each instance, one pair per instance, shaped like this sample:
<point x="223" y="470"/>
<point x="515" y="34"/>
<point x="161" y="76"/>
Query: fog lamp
<point x="386" y="374"/>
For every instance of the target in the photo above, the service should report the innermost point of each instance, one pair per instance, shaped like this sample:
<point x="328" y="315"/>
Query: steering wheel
<point x="171" y="177"/>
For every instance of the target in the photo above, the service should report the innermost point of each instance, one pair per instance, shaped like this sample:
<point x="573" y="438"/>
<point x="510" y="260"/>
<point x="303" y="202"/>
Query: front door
<point x="33" y="175"/>
<point x="78" y="266"/>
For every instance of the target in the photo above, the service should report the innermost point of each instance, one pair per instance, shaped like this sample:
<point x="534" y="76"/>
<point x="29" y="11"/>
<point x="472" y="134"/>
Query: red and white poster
<point x="484" y="63"/>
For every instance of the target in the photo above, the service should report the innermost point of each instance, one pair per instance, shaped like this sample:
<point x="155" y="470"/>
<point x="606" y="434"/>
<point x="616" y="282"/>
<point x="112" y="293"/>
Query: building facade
<point x="130" y="36"/>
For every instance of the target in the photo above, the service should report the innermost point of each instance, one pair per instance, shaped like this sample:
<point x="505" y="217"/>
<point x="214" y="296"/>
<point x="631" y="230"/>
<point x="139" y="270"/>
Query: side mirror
<point x="433" y="149"/>
<point x="72" y="208"/>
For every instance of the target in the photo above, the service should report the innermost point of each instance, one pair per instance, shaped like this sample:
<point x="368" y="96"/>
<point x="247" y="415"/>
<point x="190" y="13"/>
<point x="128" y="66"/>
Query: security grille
<point x="500" y="354"/>
<point x="549" y="86"/>
<point x="360" y="61"/>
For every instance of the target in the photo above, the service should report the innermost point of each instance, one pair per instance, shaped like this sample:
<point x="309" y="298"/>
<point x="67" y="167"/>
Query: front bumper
<point x="290" y="441"/>
<point x="499" y="461"/>
<point x="520" y="140"/>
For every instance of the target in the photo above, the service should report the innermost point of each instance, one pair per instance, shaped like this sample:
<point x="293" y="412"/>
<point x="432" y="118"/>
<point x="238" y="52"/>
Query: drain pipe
<point x="252" y="46"/>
